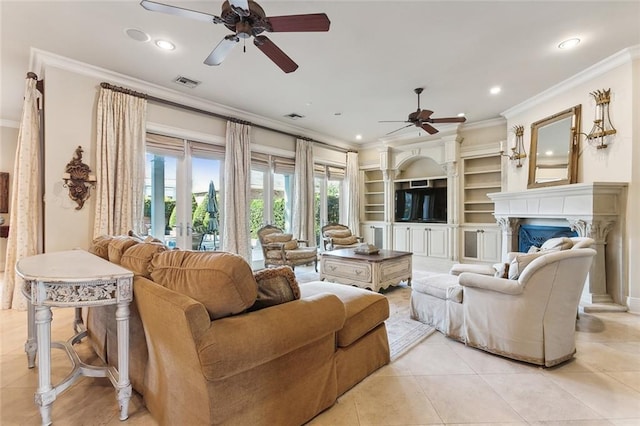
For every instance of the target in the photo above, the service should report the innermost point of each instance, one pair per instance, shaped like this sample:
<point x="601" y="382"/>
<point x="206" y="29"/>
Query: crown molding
<point x="41" y="59"/>
<point x="620" y="58"/>
<point x="492" y="122"/>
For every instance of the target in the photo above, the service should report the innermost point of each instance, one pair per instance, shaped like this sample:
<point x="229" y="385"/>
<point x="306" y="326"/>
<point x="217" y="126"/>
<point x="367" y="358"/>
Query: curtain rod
<point x="155" y="99"/>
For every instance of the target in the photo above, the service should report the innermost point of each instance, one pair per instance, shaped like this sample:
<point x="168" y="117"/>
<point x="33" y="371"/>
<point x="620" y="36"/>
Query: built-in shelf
<point x="481" y="176"/>
<point x="373" y="195"/>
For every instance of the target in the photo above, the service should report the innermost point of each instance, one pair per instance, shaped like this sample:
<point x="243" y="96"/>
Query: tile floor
<point x="438" y="381"/>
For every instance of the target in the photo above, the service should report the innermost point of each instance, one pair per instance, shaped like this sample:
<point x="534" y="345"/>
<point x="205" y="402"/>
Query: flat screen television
<point x="421" y="205"/>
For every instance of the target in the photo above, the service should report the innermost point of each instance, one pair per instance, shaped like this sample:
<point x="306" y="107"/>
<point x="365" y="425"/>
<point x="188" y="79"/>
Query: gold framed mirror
<point x="554" y="154"/>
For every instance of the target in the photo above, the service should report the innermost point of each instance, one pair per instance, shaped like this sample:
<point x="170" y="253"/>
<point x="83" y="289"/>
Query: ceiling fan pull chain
<point x="244" y="45"/>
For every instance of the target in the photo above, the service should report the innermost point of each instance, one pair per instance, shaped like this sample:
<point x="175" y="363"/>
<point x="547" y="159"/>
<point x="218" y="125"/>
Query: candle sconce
<point x="602" y="127"/>
<point x="517" y="150"/>
<point x="78" y="179"/>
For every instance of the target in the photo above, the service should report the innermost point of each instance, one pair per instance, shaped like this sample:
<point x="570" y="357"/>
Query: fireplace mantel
<point x="593" y="210"/>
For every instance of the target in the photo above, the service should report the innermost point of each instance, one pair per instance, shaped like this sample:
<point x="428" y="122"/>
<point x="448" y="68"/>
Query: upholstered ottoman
<point x="362" y="343"/>
<point x="436" y="300"/>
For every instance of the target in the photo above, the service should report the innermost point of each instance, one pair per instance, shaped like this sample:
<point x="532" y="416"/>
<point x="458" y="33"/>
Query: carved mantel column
<point x="597" y="229"/>
<point x="509" y="227"/>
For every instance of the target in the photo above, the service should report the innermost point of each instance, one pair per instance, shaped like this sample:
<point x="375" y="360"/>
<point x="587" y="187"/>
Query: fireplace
<point x="536" y="235"/>
<point x="595" y="210"/>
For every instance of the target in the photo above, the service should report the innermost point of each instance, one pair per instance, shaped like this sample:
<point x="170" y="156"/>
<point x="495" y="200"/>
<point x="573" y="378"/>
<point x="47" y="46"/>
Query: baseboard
<point x="634" y="304"/>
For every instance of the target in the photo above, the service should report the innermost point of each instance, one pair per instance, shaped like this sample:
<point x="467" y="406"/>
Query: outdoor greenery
<point x="256" y="215"/>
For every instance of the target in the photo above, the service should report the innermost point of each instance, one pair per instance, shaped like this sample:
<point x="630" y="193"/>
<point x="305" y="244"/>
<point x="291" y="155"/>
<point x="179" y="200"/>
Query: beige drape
<point x="26" y="207"/>
<point x="352" y="192"/>
<point x="237" y="187"/>
<point x="120" y="126"/>
<point x="303" y="193"/>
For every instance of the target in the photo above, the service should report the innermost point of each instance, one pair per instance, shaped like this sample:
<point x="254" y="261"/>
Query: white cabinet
<point x="482" y="244"/>
<point x="422" y="239"/>
<point x="373" y="234"/>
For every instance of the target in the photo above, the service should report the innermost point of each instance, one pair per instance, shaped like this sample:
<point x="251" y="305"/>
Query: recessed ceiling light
<point x="137" y="34"/>
<point x="358" y="137"/>
<point x="165" y="45"/>
<point x="461" y="114"/>
<point x="495" y="90"/>
<point x="548" y="153"/>
<point x="309" y="104"/>
<point x="568" y="44"/>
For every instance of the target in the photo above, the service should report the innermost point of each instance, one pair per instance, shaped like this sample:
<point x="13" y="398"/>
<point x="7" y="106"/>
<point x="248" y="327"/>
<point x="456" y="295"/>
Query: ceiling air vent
<point x="294" y="116"/>
<point x="187" y="82"/>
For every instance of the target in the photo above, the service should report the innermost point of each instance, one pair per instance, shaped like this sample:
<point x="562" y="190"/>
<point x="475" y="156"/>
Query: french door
<point x="182" y="193"/>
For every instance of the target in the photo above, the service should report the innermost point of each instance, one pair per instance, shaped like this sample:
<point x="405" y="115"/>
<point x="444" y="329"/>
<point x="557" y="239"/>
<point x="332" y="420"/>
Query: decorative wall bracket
<point x="78" y="179"/>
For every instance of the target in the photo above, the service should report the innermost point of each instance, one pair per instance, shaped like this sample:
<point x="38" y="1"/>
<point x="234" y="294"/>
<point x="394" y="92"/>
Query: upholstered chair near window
<point x="280" y="249"/>
<point x="336" y="236"/>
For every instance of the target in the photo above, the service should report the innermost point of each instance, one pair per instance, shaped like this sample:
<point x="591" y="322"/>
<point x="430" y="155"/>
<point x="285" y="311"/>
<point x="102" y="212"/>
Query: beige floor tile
<point x="343" y="413"/>
<point x="609" y="356"/>
<point x="537" y="398"/>
<point x="389" y="400"/>
<point x="602" y="393"/>
<point x="626" y="422"/>
<point x="483" y="364"/>
<point x="629" y="378"/>
<point x="466" y="398"/>
<point x="573" y="423"/>
<point x="435" y="359"/>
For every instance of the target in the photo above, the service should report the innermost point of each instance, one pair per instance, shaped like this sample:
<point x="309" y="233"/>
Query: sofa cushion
<point x="364" y="309"/>
<point x="301" y="253"/>
<point x="521" y="261"/>
<point x="502" y="270"/>
<point x="100" y="246"/>
<point x="222" y="282"/>
<point x="352" y="239"/>
<point x="138" y="257"/>
<point x="337" y="233"/>
<point x="442" y="286"/>
<point x="275" y="286"/>
<point x="560" y="243"/>
<point x="118" y="245"/>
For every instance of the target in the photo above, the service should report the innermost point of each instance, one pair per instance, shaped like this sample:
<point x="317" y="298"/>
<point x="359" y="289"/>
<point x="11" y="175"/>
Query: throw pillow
<point x="100" y="246"/>
<point x="520" y="262"/>
<point x="275" y="286"/>
<point x="222" y="282"/>
<point x="291" y="245"/>
<point x="502" y="270"/>
<point x="118" y="245"/>
<point x="277" y="237"/>
<point x="533" y="249"/>
<point x="345" y="241"/>
<point x="561" y="243"/>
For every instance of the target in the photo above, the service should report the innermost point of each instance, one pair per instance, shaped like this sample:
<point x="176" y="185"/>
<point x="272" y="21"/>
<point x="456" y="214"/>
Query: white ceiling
<point x="365" y="67"/>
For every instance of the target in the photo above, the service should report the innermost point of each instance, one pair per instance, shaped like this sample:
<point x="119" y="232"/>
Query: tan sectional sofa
<point x="201" y="353"/>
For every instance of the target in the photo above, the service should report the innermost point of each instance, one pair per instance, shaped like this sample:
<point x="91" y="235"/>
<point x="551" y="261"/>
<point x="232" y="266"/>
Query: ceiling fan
<point x="422" y="117"/>
<point x="246" y="18"/>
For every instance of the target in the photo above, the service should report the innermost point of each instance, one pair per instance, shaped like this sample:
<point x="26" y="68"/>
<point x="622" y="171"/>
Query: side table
<point x="74" y="279"/>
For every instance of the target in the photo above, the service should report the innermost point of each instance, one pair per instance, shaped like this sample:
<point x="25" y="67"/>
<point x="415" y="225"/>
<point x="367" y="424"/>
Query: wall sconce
<point x="602" y="127"/>
<point x="517" y="150"/>
<point x="78" y="179"/>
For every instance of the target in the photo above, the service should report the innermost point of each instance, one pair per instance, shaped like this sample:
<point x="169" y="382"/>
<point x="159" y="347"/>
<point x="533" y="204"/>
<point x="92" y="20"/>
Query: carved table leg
<point x="45" y="395"/>
<point x="30" y="347"/>
<point x="124" y="385"/>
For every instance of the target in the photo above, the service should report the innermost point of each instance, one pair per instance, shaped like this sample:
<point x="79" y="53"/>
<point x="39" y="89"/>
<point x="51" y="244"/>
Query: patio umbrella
<point x="212" y="209"/>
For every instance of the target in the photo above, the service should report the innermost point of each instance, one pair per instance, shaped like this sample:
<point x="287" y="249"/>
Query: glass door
<point x="161" y="218"/>
<point x="205" y="193"/>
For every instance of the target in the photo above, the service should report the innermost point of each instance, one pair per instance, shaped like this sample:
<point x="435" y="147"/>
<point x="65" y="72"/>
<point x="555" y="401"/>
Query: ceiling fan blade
<point x="299" y="23"/>
<point x="448" y="120"/>
<point x="424" y="115"/>
<point x="178" y="11"/>
<point x="397" y="130"/>
<point x="275" y="54"/>
<point x="429" y="128"/>
<point x="241" y="7"/>
<point x="221" y="51"/>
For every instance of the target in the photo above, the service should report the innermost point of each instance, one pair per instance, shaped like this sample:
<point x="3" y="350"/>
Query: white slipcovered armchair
<point x="532" y="318"/>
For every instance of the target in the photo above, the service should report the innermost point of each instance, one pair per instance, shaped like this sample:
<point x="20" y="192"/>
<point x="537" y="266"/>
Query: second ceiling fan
<point x="422" y="118"/>
<point x="247" y="19"/>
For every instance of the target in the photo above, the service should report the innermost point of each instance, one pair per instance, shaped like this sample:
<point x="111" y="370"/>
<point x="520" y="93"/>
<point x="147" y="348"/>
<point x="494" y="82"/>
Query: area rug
<point x="403" y="332"/>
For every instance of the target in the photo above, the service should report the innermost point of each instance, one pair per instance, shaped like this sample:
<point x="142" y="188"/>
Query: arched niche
<point x="419" y="167"/>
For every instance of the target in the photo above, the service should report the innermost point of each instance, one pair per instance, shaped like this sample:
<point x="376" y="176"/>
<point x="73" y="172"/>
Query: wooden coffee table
<point x="372" y="271"/>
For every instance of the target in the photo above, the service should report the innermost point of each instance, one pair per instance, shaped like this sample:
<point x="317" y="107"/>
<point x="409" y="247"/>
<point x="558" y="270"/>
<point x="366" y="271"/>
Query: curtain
<point x="120" y="151"/>
<point x="303" y="193"/>
<point x="237" y="174"/>
<point x="26" y="207"/>
<point x="352" y="193"/>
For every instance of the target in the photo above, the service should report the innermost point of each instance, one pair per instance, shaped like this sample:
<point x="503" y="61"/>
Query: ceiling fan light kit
<point x="421" y="118"/>
<point x="246" y="19"/>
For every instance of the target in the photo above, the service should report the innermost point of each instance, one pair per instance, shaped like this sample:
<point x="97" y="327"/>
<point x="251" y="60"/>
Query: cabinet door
<point x="490" y="245"/>
<point x="373" y="235"/>
<point x="437" y="244"/>
<point x="401" y="238"/>
<point x="418" y="239"/>
<point x="470" y="244"/>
